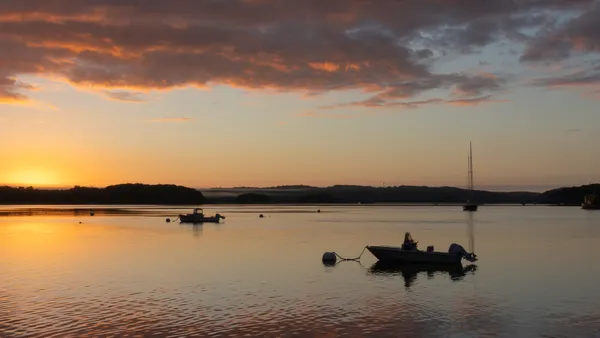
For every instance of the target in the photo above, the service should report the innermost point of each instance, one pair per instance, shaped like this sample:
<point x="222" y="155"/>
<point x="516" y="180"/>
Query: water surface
<point x="135" y="274"/>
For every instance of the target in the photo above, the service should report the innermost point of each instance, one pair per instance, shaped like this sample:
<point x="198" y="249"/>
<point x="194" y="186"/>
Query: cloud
<point x="378" y="103"/>
<point x="573" y="130"/>
<point x="582" y="78"/>
<point x="171" y="119"/>
<point x="467" y="90"/>
<point x="581" y="33"/>
<point x="125" y="48"/>
<point x="125" y="96"/>
<point x="9" y="90"/>
<point x="587" y="80"/>
<point x="320" y="114"/>
<point x="473" y="101"/>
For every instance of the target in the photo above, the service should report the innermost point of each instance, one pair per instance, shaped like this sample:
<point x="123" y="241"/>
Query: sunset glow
<point x="33" y="177"/>
<point x="255" y="93"/>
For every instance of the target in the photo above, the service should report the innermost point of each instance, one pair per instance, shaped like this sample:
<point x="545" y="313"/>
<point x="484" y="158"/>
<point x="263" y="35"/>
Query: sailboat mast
<point x="470" y="166"/>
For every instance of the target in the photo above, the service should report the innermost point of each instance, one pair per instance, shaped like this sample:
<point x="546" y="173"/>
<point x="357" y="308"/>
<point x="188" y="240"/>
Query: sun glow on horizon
<point x="33" y="177"/>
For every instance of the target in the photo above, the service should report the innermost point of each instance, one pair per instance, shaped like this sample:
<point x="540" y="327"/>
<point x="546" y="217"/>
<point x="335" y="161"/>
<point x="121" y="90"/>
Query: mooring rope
<point x="351" y="259"/>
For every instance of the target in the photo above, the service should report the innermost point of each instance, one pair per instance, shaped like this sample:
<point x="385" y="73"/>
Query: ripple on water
<point x="208" y="296"/>
<point x="388" y="310"/>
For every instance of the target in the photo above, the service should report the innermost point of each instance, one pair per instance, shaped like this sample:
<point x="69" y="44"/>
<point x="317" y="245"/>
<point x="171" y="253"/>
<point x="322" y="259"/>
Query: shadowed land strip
<point x="80" y="212"/>
<point x="173" y="195"/>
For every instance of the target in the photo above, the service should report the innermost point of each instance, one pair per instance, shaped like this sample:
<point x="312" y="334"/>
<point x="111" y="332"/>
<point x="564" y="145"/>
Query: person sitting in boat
<point x="409" y="243"/>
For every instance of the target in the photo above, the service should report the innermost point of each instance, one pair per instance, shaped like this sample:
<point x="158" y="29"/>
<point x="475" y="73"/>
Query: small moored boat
<point x="470" y="206"/>
<point x="408" y="253"/>
<point x="591" y="202"/>
<point x="198" y="217"/>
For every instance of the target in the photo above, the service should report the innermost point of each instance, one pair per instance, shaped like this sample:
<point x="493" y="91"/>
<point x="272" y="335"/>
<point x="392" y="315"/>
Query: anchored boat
<point x="591" y="202"/>
<point x="198" y="217"/>
<point x="408" y="253"/>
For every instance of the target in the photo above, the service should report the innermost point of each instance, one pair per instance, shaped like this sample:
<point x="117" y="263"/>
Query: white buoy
<point x="329" y="257"/>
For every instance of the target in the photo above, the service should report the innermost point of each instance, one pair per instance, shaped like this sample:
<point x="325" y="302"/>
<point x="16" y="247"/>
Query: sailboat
<point x="470" y="205"/>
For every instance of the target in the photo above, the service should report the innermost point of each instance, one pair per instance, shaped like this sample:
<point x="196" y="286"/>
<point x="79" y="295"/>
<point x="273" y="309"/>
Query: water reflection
<point x="471" y="231"/>
<point x="410" y="271"/>
<point x="139" y="276"/>
<point x="330" y="264"/>
<point x="197" y="229"/>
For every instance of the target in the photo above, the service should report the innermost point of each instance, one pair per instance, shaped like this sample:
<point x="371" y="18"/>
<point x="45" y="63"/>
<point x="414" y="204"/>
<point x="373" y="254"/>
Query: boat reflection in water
<point x="197" y="230"/>
<point x="410" y="271"/>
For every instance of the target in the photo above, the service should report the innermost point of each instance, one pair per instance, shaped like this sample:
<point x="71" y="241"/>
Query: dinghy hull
<point x="397" y="255"/>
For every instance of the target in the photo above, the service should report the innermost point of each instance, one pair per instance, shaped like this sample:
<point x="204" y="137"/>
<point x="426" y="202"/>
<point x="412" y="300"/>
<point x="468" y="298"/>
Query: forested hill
<point x="363" y="194"/>
<point x="568" y="195"/>
<point x="114" y="194"/>
<point x="174" y="194"/>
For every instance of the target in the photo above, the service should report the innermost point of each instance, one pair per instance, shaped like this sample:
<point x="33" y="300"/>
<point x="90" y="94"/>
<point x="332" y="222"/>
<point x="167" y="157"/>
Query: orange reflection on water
<point x="138" y="275"/>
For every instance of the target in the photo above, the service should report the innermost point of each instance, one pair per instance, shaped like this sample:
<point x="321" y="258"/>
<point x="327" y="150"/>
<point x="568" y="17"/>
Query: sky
<point x="225" y="93"/>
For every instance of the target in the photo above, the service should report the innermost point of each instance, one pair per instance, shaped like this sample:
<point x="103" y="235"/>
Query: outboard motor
<point x="459" y="250"/>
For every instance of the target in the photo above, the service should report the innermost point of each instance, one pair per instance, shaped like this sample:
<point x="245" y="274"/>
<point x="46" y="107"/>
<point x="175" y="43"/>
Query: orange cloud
<point x="333" y="67"/>
<point x="325" y="66"/>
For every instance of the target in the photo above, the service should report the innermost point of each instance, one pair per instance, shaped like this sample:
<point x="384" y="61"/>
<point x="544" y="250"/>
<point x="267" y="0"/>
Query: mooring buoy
<point x="329" y="257"/>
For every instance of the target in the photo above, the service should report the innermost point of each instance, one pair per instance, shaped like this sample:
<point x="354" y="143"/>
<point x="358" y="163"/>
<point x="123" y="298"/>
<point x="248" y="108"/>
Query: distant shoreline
<point x="173" y="195"/>
<point x="158" y="210"/>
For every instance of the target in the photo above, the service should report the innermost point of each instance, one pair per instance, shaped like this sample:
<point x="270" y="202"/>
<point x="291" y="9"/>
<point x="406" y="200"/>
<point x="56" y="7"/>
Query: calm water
<point x="537" y="275"/>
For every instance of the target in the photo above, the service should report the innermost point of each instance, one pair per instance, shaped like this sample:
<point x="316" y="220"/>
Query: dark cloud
<point x="578" y="79"/>
<point x="384" y="46"/>
<point x="424" y="53"/>
<point x="9" y="90"/>
<point x="375" y="102"/>
<point x="467" y="89"/>
<point x="579" y="34"/>
<point x="477" y="85"/>
<point x="587" y="81"/>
